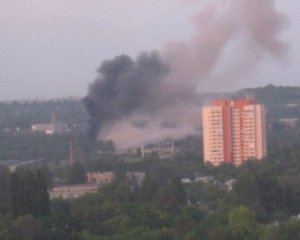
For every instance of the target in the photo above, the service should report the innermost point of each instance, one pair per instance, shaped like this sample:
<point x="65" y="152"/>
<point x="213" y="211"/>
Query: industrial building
<point x="55" y="127"/>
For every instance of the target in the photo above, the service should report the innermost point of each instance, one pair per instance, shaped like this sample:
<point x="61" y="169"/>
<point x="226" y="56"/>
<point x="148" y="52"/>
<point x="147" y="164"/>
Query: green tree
<point x="29" y="193"/>
<point x="291" y="193"/>
<point x="5" y="196"/>
<point x="120" y="171"/>
<point x="260" y="191"/>
<point x="6" y="227"/>
<point x="271" y="232"/>
<point x="242" y="224"/>
<point x="76" y="174"/>
<point x="26" y="227"/>
<point x="178" y="190"/>
<point x="148" y="189"/>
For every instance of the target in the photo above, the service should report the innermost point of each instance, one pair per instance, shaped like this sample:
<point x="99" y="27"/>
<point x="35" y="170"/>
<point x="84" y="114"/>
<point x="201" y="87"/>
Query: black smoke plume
<point x="124" y="86"/>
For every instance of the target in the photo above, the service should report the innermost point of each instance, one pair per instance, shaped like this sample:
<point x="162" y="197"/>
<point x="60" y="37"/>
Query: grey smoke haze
<point x="160" y="87"/>
<point x="233" y="34"/>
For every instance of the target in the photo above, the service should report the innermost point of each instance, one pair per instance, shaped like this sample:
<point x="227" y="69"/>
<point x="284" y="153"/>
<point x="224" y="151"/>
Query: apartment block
<point x="234" y="131"/>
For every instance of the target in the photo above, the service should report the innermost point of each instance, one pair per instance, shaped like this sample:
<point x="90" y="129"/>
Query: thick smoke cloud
<point x="124" y="87"/>
<point x="153" y="97"/>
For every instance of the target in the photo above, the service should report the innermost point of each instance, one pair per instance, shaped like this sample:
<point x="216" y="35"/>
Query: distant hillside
<point x="22" y="114"/>
<point x="280" y="102"/>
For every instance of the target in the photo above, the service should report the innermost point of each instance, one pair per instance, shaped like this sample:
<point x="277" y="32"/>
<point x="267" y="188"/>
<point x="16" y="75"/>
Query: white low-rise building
<point x="72" y="191"/>
<point x="100" y="178"/>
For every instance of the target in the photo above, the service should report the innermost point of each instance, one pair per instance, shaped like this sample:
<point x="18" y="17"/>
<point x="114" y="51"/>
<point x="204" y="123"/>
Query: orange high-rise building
<point x="234" y="132"/>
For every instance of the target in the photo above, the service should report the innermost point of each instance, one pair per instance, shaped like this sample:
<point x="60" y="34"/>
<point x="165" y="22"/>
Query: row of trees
<point x="21" y="115"/>
<point x="24" y="192"/>
<point x="263" y="204"/>
<point x="34" y="145"/>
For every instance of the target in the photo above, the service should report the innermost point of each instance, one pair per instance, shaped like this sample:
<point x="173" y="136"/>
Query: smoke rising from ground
<point x="124" y="86"/>
<point x="137" y="101"/>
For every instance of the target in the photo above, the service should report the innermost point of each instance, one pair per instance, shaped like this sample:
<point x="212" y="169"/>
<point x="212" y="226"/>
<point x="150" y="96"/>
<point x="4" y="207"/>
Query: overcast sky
<point x="53" y="48"/>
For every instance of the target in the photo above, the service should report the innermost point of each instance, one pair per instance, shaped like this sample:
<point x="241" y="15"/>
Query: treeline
<point x="22" y="115"/>
<point x="263" y="203"/>
<point x="34" y="146"/>
<point x="24" y="192"/>
<point x="24" y="146"/>
<point x="281" y="102"/>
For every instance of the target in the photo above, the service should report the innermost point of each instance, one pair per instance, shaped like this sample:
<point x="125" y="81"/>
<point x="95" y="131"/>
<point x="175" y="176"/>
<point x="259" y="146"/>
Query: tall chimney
<point x="143" y="152"/>
<point x="71" y="153"/>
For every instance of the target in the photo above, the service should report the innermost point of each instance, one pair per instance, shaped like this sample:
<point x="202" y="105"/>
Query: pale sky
<point x="52" y="48"/>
